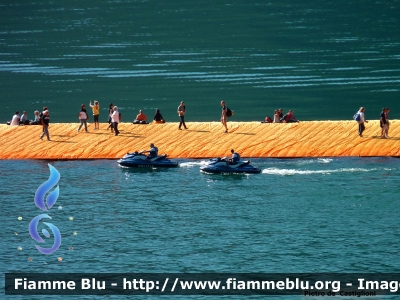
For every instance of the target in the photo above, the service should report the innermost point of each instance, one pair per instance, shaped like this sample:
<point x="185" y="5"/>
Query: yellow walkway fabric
<point x="202" y="140"/>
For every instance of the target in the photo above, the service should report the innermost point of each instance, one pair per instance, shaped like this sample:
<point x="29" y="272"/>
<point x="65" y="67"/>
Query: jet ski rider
<point x="153" y="152"/>
<point x="235" y="157"/>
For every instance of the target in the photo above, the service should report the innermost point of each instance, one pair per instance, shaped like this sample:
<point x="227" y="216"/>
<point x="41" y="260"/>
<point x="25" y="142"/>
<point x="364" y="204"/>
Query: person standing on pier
<point x="387" y="111"/>
<point x="224" y="117"/>
<point x="383" y="123"/>
<point x="110" y="112"/>
<point x="96" y="113"/>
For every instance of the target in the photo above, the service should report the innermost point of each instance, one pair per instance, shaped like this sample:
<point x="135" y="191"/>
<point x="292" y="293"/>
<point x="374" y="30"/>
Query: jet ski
<point x="222" y="165"/>
<point x="139" y="160"/>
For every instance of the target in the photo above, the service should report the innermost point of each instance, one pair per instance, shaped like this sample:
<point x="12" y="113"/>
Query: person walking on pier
<point x="110" y="112"/>
<point x="45" y="122"/>
<point x="181" y="114"/>
<point x="361" y="126"/>
<point x="83" y="116"/>
<point x="115" y="120"/>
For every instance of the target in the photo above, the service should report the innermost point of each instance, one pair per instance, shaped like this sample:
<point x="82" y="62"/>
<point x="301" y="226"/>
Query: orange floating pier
<point x="201" y="140"/>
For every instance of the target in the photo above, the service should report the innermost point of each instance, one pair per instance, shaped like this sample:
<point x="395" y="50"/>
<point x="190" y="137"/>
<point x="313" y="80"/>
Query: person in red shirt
<point x="141" y="118"/>
<point x="289" y="118"/>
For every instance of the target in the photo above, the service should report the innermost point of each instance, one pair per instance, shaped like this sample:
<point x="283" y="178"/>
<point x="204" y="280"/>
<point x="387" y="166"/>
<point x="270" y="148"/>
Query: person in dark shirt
<point x="153" y="152"/>
<point x="45" y="123"/>
<point x="224" y="117"/>
<point x="387" y="121"/>
<point x="280" y="113"/>
<point x="235" y="157"/>
<point x="383" y="123"/>
<point x="158" y="118"/>
<point x="181" y="114"/>
<point x="387" y="111"/>
<point x="110" y="112"/>
<point x="83" y="117"/>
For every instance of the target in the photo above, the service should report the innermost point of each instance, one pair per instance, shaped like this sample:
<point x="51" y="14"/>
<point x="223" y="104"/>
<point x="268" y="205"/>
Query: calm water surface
<point x="298" y="215"/>
<point x="323" y="59"/>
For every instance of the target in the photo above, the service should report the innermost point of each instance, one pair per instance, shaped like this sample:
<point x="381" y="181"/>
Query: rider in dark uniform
<point x="153" y="152"/>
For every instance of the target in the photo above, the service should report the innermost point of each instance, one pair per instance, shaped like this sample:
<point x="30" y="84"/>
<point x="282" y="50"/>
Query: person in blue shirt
<point x="153" y="152"/>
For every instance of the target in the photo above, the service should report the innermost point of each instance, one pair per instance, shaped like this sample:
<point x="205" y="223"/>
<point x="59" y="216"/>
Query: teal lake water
<point x="298" y="215"/>
<point x="323" y="59"/>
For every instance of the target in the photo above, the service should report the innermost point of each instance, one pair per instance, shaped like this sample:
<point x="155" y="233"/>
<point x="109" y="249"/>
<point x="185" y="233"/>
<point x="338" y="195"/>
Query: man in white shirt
<point x="24" y="119"/>
<point x="15" y="119"/>
<point x="115" y="120"/>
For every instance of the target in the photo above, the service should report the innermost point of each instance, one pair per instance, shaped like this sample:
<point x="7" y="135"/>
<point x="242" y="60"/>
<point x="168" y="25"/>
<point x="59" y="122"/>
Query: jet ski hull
<point x="221" y="166"/>
<point x="141" y="161"/>
<point x="132" y="164"/>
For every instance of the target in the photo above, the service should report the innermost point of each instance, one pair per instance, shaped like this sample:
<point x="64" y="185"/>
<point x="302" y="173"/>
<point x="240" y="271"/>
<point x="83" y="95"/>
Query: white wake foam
<point x="193" y="164"/>
<point x="302" y="162"/>
<point x="324" y="160"/>
<point x="283" y="172"/>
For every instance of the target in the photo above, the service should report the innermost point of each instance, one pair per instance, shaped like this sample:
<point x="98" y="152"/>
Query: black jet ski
<point x="139" y="160"/>
<point x="222" y="165"/>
